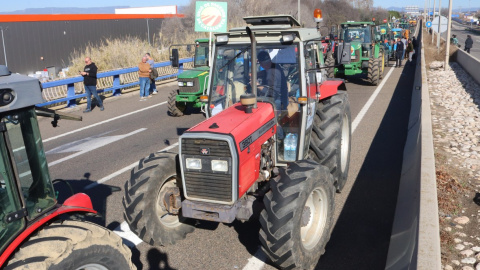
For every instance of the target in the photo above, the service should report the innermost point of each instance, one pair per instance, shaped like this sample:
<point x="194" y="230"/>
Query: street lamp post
<point x="3" y="42"/>
<point x="148" y="32"/>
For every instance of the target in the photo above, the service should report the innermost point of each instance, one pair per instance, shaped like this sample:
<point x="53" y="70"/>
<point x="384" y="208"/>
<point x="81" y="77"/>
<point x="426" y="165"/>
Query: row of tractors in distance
<point x="277" y="134"/>
<point x="36" y="232"/>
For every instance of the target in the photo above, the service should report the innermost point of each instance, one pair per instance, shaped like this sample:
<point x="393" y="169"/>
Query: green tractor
<point x="357" y="52"/>
<point x="191" y="83"/>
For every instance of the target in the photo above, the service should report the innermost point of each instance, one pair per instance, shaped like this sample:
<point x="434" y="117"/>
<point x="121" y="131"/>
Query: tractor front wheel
<point x="373" y="72"/>
<point x="175" y="108"/>
<point x="72" y="245"/>
<point x="144" y="209"/>
<point x="297" y="220"/>
<point x="330" y="142"/>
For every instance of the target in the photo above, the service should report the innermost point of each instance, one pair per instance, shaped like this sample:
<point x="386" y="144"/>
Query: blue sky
<point x="8" y="5"/>
<point x="456" y="3"/>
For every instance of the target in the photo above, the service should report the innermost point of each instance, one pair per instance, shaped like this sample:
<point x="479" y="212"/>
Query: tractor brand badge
<point x="205" y="151"/>
<point x="211" y="16"/>
<point x="383" y="31"/>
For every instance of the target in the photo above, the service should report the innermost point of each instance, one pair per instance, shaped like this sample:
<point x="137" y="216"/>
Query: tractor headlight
<point x="190" y="84"/>
<point x="180" y="83"/>
<point x="219" y="165"/>
<point x="193" y="163"/>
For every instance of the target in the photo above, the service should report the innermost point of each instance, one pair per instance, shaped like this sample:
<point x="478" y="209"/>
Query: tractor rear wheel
<point x="297" y="220"/>
<point x="330" y="63"/>
<point x="144" y="209"/>
<point x="175" y="108"/>
<point x="330" y="142"/>
<point x="72" y="245"/>
<point x="373" y="72"/>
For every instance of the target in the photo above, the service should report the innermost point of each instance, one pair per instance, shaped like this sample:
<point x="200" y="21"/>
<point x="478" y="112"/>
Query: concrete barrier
<point x="469" y="63"/>
<point x="415" y="239"/>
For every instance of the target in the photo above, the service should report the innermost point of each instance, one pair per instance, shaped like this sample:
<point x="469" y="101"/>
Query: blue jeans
<point x="92" y="90"/>
<point x="153" y="87"/>
<point x="144" y="85"/>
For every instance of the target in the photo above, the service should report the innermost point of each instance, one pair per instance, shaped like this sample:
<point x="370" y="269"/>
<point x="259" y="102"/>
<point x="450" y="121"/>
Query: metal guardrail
<point x="69" y="90"/>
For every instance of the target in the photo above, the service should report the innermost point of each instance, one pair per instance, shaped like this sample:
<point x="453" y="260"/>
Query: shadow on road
<point x="361" y="236"/>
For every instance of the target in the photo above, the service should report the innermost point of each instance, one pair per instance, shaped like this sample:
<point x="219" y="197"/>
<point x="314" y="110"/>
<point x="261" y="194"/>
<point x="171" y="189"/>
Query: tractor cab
<point x="287" y="67"/>
<point x="360" y="35"/>
<point x="26" y="191"/>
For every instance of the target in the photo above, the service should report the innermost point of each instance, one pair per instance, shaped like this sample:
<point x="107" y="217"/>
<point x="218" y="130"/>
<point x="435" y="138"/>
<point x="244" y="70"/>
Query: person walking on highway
<point x="144" y="78"/>
<point x="89" y="74"/>
<point x="151" y="62"/>
<point x="410" y="50"/>
<point x="468" y="43"/>
<point x="399" y="52"/>
<point x="404" y="40"/>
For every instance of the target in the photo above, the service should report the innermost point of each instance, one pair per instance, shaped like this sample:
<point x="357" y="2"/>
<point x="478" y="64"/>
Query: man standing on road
<point x="468" y="43"/>
<point x="89" y="74"/>
<point x="144" y="78"/>
<point x="153" y="87"/>
<point x="404" y="40"/>
<point x="399" y="52"/>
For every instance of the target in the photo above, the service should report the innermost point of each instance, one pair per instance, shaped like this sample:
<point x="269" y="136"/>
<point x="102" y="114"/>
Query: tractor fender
<point x="330" y="87"/>
<point x="79" y="202"/>
<point x="376" y="50"/>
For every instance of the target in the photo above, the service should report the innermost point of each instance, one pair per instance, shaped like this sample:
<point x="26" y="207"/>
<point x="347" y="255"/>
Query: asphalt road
<point x="95" y="156"/>
<point x="459" y="30"/>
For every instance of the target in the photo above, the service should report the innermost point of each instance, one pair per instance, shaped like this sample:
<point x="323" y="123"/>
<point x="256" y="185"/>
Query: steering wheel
<point x="267" y="89"/>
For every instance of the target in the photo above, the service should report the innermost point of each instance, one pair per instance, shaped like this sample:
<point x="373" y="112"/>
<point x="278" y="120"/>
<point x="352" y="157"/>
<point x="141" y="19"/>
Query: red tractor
<point x="277" y="133"/>
<point x="35" y="231"/>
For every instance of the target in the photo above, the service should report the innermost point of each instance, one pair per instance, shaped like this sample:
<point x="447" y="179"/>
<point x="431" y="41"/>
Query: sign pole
<point x="439" y="24"/>
<point x="210" y="60"/>
<point x="433" y="18"/>
<point x="449" y="26"/>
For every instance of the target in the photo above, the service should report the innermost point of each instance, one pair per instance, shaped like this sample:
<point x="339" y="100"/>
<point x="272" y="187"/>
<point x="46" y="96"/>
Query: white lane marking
<point x="256" y="262"/>
<point x="117" y="173"/>
<point x="87" y="145"/>
<point x="103" y="122"/>
<point x="369" y="103"/>
<point x="129" y="238"/>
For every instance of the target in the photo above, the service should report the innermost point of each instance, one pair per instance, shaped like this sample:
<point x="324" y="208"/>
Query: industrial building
<point x="33" y="43"/>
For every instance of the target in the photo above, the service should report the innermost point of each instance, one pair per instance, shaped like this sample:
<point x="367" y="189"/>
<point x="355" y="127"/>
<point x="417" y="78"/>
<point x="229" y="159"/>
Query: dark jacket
<point x="91" y="78"/>
<point x="468" y="42"/>
<point x="399" y="46"/>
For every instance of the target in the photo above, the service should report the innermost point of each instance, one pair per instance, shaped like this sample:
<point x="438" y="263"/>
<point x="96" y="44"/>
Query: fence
<point x="68" y="91"/>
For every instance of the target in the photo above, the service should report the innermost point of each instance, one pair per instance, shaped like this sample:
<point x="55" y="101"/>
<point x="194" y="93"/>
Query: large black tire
<point x="373" y="72"/>
<point x="381" y="65"/>
<point x="297" y="220"/>
<point x="330" y="63"/>
<point x="330" y="142"/>
<point x="175" y="108"/>
<point x="143" y="201"/>
<point x="72" y="245"/>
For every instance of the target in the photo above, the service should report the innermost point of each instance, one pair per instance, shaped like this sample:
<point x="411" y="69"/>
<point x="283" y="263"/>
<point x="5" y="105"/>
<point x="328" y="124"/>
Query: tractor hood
<point x="193" y="73"/>
<point x="236" y="122"/>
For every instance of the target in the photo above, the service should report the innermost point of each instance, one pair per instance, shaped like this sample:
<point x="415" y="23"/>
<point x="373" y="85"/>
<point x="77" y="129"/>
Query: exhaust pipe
<point x="254" y="64"/>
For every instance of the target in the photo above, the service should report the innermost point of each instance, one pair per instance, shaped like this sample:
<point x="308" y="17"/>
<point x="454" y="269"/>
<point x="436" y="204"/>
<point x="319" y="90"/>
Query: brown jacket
<point x="143" y="70"/>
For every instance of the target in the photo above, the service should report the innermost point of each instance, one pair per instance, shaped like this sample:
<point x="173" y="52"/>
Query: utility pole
<point x="433" y="18"/>
<point x="3" y="41"/>
<point x="299" y="12"/>
<point x="449" y="26"/>
<point x="439" y="24"/>
<point x="148" y="32"/>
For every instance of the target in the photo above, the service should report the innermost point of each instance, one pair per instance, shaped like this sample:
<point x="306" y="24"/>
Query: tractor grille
<point x="206" y="184"/>
<point x="189" y="89"/>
